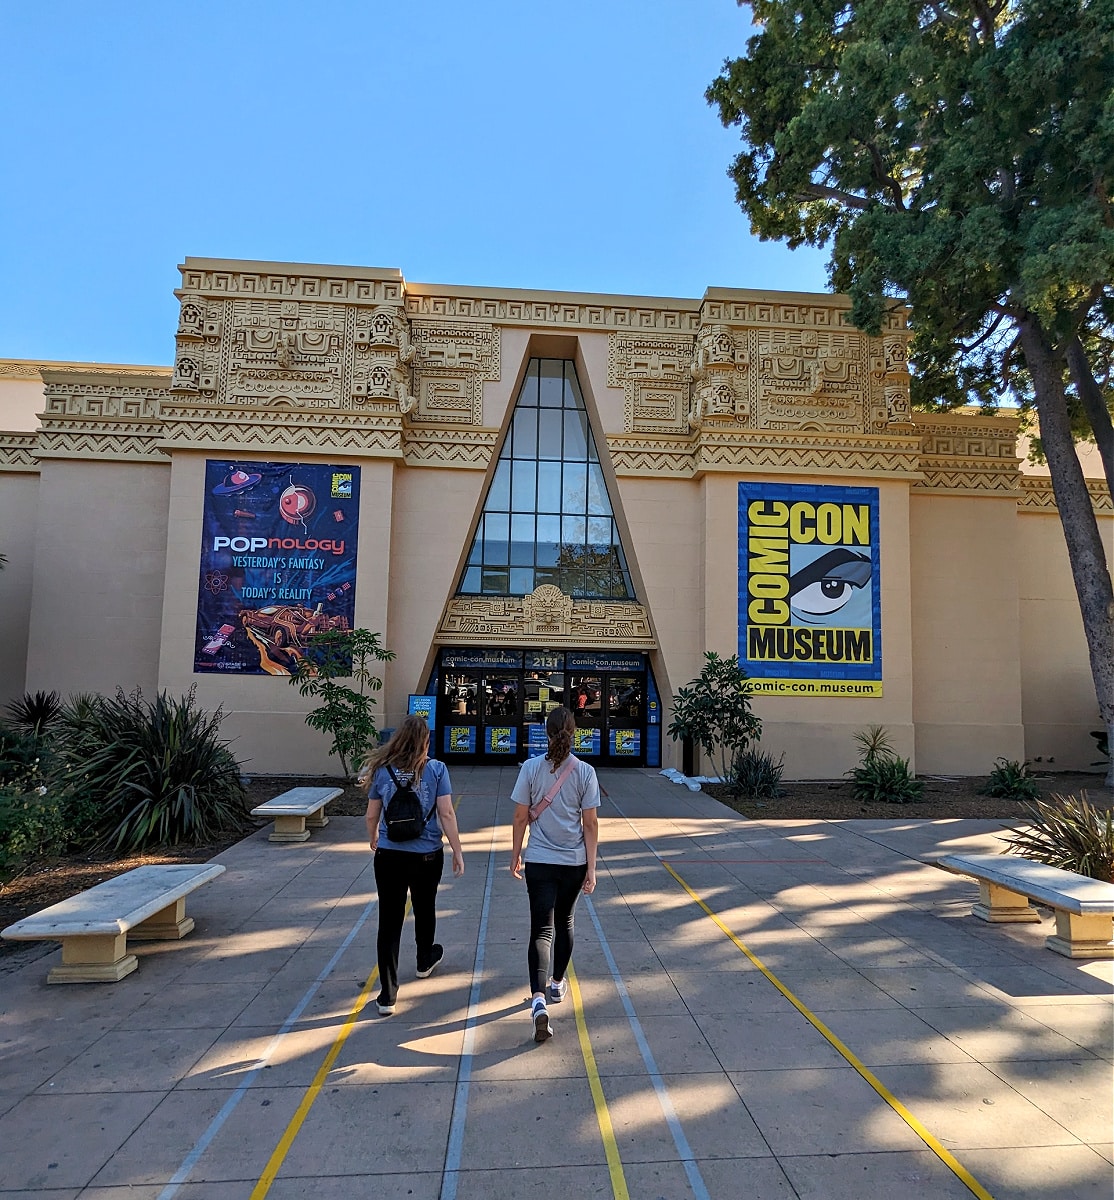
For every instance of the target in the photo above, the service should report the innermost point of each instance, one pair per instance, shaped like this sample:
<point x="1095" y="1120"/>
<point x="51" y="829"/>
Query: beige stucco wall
<point x="966" y="636"/>
<point x="1057" y="692"/>
<point x="19" y="500"/>
<point x="21" y="401"/>
<point x="100" y="557"/>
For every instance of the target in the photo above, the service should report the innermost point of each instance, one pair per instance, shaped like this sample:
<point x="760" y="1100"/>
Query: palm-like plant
<point x="1068" y="832"/>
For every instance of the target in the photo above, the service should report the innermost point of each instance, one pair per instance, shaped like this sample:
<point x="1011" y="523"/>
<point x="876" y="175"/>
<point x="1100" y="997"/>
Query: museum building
<point x="538" y="498"/>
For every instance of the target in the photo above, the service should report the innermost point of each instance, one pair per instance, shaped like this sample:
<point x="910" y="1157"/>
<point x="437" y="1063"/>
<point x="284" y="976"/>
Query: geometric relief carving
<point x="82" y="419"/>
<point x="550" y="614"/>
<point x="18" y="451"/>
<point x="811" y="379"/>
<point x="722" y="385"/>
<point x="453" y="360"/>
<point x="449" y="447"/>
<point x="655" y="375"/>
<point x="384" y="353"/>
<point x="1036" y="493"/>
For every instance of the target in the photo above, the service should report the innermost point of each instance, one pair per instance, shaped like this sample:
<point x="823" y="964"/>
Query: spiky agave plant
<point x="34" y="712"/>
<point x="1068" y="832"/>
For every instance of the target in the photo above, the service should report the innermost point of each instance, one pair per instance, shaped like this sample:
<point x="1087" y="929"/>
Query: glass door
<point x="625" y="718"/>
<point x="585" y="700"/>
<point x="501" y="715"/>
<point x="458" y="705"/>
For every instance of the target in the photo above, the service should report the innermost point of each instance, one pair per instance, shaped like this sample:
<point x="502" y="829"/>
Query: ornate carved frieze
<point x="1036" y="493"/>
<point x="547" y="614"/>
<point x="188" y="426"/>
<point x="655" y="374"/>
<point x="969" y="454"/>
<point x="91" y="417"/>
<point x="741" y="309"/>
<point x="454" y="359"/>
<point x="722" y="387"/>
<point x="18" y="451"/>
<point x="470" y="448"/>
<point x="793" y="452"/>
<point x="658" y="456"/>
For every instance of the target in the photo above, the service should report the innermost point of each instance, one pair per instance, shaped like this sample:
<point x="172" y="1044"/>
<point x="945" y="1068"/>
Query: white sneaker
<point x="558" y="989"/>
<point x="543" y="1030"/>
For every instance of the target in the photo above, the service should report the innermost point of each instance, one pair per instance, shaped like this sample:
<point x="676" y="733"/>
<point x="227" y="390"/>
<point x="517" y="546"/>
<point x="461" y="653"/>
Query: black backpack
<point x="404" y="818"/>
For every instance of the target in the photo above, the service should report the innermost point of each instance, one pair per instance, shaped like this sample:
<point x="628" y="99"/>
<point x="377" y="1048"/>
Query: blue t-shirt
<point x="435" y="782"/>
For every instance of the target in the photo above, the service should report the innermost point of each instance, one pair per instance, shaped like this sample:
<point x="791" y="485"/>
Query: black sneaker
<point x="438" y="954"/>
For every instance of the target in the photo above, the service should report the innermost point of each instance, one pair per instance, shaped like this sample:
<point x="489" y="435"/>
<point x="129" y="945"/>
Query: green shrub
<point x="33" y="822"/>
<point x="881" y="774"/>
<point x="757" y="775"/>
<point x="34" y="713"/>
<point x="1068" y="832"/>
<point x="1011" y="781"/>
<point x="21" y="755"/>
<point x="714" y="711"/>
<point x="155" y="774"/>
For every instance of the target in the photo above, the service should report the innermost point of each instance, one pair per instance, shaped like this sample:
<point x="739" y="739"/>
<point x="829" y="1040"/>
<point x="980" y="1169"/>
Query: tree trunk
<point x="1081" y="532"/>
<point x="1094" y="405"/>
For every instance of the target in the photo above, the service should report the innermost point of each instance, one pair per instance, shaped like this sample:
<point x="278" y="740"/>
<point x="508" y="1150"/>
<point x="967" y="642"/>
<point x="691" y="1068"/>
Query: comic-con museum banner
<point x="278" y="562"/>
<point x="809" y="613"/>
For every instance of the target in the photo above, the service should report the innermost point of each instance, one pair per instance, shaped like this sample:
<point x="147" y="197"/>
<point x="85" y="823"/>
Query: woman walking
<point x="413" y="866"/>
<point x="556" y="797"/>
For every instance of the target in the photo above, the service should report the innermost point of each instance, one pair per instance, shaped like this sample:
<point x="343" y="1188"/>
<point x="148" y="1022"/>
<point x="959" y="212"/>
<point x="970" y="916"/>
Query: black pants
<point x="554" y="891"/>
<point x="396" y="873"/>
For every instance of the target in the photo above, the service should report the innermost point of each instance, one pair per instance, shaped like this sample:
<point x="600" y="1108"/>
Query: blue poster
<point x="625" y="742"/>
<point x="586" y="742"/>
<point x="810" y="621"/>
<point x="278" y="562"/>
<point x="501" y="739"/>
<point x="460" y="739"/>
<point x="537" y="743"/>
<point x="421" y="705"/>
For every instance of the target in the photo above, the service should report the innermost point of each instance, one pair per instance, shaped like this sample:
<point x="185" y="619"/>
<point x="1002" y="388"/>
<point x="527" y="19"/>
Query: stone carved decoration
<point x="812" y="380"/>
<point x="94" y="418"/>
<point x="384" y="353"/>
<point x="655" y="375"/>
<point x="718" y="373"/>
<point x="547" y="613"/>
<point x="454" y="360"/>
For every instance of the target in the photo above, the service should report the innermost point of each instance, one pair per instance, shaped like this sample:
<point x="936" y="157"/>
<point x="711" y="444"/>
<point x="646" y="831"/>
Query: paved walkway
<point x="761" y="1010"/>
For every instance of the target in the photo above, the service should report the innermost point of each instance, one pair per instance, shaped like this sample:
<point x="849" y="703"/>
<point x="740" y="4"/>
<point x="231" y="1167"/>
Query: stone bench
<point x="1084" y="907"/>
<point x="297" y="811"/>
<point x="148" y="903"/>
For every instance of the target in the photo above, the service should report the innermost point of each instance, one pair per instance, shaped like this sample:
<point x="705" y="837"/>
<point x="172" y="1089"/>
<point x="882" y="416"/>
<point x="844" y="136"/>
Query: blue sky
<point x="494" y="143"/>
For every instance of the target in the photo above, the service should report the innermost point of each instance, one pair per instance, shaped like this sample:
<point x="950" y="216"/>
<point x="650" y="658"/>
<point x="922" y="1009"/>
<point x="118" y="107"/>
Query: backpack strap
<point x="536" y="810"/>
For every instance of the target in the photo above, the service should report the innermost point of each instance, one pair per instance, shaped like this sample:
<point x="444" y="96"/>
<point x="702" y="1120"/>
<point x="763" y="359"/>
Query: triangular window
<point x="547" y="517"/>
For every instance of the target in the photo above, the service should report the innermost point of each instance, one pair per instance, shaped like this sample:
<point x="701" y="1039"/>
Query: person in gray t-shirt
<point x="556" y="797"/>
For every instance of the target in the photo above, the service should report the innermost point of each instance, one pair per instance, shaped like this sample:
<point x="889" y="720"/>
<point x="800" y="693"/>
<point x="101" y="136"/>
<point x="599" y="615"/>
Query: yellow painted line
<point x="603" y="1114"/>
<point x="941" y="1152"/>
<point x="276" y="1160"/>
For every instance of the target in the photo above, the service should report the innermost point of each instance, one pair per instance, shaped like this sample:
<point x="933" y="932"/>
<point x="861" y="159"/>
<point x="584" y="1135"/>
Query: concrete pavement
<point x="759" y="1009"/>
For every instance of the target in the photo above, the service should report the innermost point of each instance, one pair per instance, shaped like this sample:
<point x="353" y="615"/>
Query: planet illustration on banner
<point x="237" y="481"/>
<point x="296" y="503"/>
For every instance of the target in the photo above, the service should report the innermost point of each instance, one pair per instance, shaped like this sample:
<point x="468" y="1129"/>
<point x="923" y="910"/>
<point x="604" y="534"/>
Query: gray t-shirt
<point x="557" y="836"/>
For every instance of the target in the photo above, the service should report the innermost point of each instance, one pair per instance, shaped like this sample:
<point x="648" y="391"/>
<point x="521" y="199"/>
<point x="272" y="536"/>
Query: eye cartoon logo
<point x="820" y="591"/>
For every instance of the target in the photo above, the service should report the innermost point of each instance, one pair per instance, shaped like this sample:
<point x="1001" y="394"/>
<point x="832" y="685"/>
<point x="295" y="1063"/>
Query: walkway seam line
<point x="941" y="1152"/>
<point x="455" y="1150"/>
<point x="684" y="1150"/>
<point x="202" y="1144"/>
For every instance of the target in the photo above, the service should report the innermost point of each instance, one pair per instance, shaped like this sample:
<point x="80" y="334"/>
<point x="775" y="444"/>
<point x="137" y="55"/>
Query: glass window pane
<point x="576" y="436"/>
<point x="546" y="554"/>
<point x="599" y="531"/>
<point x="524" y="435"/>
<point x="471" y="581"/>
<point x="573" y="397"/>
<point x="549" y="529"/>
<point x="552" y="383"/>
<point x="551" y="575"/>
<point x="524" y="486"/>
<point x="574" y="498"/>
<point x="529" y="393"/>
<point x="572" y="531"/>
<point x="497" y="528"/>
<point x="549" y="486"/>
<point x="572" y="582"/>
<point x="499" y="494"/>
<point x="522" y="541"/>
<point x="598" y="502"/>
<point x="550" y="425"/>
<point x="522" y="581"/>
<point x="476" y="554"/>
<point x="495" y="582"/>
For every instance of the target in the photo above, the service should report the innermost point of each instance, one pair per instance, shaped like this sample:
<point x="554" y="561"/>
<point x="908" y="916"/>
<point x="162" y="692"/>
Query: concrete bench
<point x="1084" y="907"/>
<point x="297" y="811"/>
<point x="148" y="903"/>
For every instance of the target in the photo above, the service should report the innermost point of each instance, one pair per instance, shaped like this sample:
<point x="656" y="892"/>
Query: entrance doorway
<point x="492" y="705"/>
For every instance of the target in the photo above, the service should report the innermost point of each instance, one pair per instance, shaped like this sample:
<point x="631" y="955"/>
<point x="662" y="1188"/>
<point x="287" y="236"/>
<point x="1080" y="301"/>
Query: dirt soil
<point x="49" y="880"/>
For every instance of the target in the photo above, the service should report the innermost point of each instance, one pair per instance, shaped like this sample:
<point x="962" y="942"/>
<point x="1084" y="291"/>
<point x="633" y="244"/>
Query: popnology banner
<point x="278" y="562"/>
<point x="809" y="587"/>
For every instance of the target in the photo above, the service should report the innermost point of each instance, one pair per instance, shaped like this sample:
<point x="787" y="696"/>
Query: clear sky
<point x="502" y="143"/>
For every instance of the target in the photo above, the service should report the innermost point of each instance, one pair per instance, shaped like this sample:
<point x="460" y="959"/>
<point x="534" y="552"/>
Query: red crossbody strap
<point x="536" y="810"/>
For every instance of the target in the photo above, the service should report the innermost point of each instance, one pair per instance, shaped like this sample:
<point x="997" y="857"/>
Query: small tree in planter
<point x="343" y="711"/>
<point x="714" y="710"/>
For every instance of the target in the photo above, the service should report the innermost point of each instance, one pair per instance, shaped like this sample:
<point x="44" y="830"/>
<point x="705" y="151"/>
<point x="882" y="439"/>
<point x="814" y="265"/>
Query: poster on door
<point x="810" y="620"/>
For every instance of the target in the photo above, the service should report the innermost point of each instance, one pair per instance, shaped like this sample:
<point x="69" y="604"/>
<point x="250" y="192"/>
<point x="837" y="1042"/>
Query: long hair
<point x="407" y="750"/>
<point x="560" y="725"/>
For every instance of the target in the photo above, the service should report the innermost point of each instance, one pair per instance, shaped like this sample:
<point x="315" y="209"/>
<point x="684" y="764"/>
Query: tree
<point x="342" y="711"/>
<point x="957" y="155"/>
<point x="714" y="710"/>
